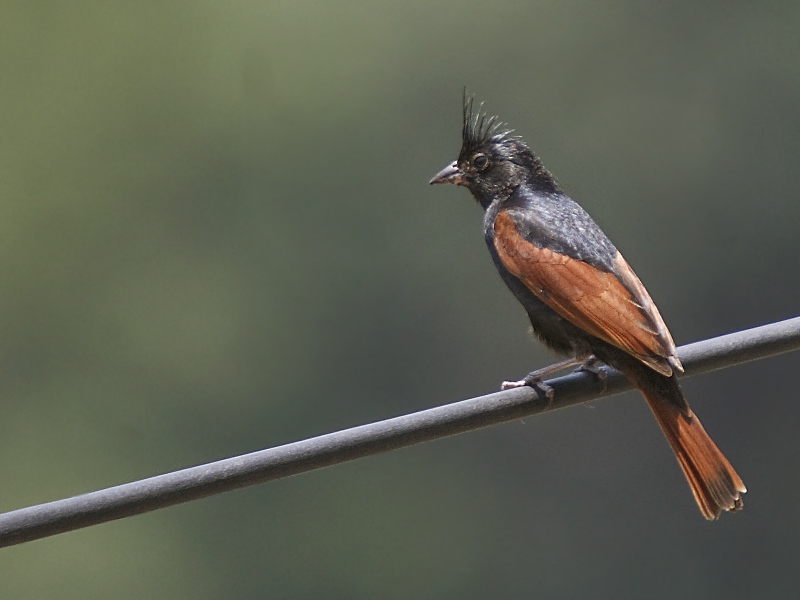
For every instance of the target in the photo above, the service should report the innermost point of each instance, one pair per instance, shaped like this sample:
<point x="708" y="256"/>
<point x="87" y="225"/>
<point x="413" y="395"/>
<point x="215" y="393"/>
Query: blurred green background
<point x="216" y="235"/>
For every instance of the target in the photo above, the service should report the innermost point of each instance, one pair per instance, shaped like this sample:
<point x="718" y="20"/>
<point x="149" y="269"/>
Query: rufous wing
<point x="613" y="306"/>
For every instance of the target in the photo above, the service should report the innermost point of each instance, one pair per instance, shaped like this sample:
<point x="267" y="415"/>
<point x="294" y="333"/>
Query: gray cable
<point x="34" y="522"/>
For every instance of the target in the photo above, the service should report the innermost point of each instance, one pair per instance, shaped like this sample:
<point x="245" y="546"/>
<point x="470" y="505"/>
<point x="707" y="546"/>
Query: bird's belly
<point x="549" y="327"/>
<point x="553" y="330"/>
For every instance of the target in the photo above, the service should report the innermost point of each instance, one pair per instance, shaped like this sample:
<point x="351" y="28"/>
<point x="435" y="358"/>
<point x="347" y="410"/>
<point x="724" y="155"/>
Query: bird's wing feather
<point x="613" y="306"/>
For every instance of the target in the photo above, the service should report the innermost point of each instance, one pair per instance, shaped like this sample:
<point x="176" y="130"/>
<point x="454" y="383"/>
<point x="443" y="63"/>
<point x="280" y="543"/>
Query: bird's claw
<point x="534" y="382"/>
<point x="510" y="385"/>
<point x="534" y="379"/>
<point x="591" y="366"/>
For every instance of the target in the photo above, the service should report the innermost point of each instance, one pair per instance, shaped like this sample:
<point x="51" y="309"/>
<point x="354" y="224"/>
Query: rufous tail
<point x="714" y="483"/>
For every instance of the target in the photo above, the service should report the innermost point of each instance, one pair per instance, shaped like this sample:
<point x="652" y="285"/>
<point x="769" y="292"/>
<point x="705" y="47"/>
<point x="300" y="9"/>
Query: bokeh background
<point x="216" y="235"/>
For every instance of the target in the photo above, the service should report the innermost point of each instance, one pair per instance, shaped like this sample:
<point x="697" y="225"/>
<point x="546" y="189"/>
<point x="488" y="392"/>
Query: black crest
<point x="478" y="127"/>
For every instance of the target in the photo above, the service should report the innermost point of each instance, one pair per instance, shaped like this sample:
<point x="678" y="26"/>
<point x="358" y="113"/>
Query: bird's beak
<point x="450" y="174"/>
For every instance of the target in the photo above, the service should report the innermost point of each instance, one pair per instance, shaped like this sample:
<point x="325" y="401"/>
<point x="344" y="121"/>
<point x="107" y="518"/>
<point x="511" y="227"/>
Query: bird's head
<point x="492" y="163"/>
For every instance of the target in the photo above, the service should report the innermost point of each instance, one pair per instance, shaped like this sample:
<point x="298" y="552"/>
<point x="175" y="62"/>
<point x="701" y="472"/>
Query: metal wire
<point x="43" y="520"/>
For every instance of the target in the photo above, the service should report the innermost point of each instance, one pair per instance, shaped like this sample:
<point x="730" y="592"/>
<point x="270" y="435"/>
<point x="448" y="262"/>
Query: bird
<point x="583" y="300"/>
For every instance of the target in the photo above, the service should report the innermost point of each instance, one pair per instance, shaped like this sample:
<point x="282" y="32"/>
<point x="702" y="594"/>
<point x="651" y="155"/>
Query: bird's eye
<point x="480" y="161"/>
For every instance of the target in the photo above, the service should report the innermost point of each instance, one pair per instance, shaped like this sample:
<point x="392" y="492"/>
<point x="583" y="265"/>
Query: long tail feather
<point x="715" y="484"/>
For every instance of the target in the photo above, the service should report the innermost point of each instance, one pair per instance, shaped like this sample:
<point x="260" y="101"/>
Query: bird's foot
<point x="534" y="381"/>
<point x="591" y="366"/>
<point x="535" y="378"/>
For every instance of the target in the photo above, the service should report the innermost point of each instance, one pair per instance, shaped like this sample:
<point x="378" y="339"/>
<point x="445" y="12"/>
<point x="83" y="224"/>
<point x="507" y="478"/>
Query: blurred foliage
<point x="216" y="236"/>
